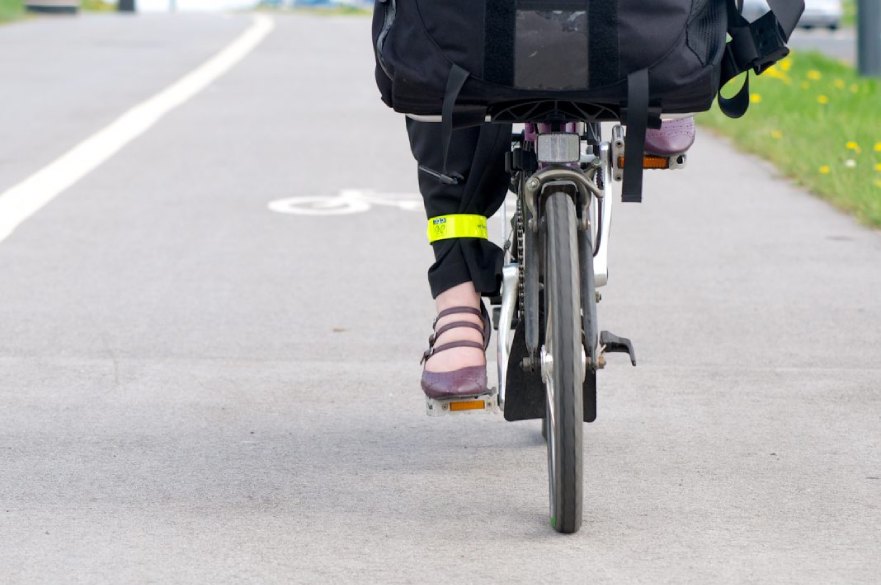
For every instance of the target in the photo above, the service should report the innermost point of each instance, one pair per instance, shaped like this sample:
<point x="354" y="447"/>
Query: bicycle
<point x="549" y="345"/>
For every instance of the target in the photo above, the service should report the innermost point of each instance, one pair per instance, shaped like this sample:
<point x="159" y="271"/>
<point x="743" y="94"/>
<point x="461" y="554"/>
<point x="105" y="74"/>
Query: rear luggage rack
<point x="544" y="110"/>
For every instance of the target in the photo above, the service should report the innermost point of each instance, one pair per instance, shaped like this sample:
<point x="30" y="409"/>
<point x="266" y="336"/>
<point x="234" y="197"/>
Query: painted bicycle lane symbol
<point x="348" y="201"/>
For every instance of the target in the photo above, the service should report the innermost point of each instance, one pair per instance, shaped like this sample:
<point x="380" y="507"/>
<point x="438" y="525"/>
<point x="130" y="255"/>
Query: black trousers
<point x="478" y="155"/>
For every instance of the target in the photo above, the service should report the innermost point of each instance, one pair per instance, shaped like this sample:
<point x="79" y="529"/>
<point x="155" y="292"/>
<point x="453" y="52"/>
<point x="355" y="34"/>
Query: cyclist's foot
<point x="673" y="137"/>
<point x="455" y="363"/>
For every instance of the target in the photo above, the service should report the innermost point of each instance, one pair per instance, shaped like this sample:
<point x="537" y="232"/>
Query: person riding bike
<point x="467" y="268"/>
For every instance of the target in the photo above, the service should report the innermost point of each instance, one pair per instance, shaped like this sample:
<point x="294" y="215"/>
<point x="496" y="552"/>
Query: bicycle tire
<point x="564" y="378"/>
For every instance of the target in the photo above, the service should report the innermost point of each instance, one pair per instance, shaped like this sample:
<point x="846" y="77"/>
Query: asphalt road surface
<point x="197" y="389"/>
<point x="839" y="44"/>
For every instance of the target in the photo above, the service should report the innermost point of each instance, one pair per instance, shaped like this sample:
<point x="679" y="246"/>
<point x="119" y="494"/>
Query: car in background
<point x="817" y="14"/>
<point x="53" y="6"/>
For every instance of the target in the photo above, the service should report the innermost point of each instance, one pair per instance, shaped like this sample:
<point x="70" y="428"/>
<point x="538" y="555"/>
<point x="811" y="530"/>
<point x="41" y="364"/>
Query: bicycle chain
<point x="521" y="249"/>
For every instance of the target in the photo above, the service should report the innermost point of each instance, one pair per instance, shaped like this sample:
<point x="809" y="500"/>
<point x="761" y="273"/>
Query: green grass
<point x="10" y="10"/>
<point x="14" y="9"/>
<point x="98" y="5"/>
<point x="820" y="124"/>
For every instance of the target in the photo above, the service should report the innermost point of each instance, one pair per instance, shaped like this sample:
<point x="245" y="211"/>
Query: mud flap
<point x="525" y="392"/>
<point x="590" y="396"/>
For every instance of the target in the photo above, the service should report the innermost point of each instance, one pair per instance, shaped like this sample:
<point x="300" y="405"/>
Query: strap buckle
<point x="770" y="42"/>
<point x="756" y="46"/>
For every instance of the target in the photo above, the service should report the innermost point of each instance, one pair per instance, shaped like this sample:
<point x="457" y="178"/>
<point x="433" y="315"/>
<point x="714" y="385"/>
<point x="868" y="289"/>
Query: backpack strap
<point x="455" y="83"/>
<point x="788" y="13"/>
<point x="755" y="45"/>
<point x="454" y="115"/>
<point x="636" y="119"/>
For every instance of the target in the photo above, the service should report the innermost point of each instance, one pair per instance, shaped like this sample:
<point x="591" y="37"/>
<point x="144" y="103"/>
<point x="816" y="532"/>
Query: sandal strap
<point x="487" y="325"/>
<point x="454" y="325"/>
<point x="451" y="345"/>
<point x="484" y="327"/>
<point x="455" y="311"/>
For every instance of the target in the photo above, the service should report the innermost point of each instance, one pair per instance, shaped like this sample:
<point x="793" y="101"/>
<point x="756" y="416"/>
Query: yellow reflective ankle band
<point x="445" y="227"/>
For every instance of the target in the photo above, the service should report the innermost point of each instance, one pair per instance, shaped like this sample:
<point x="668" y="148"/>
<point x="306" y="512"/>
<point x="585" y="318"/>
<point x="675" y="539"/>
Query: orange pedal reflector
<point x="649" y="161"/>
<point x="467" y="405"/>
<point x="480" y="404"/>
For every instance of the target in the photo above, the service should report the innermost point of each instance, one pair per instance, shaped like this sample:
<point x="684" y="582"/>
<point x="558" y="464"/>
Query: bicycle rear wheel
<point x="563" y="373"/>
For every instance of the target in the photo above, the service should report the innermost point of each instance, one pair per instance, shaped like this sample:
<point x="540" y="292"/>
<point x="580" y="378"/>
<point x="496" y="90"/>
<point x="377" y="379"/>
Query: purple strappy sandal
<point x="468" y="381"/>
<point x="673" y="137"/>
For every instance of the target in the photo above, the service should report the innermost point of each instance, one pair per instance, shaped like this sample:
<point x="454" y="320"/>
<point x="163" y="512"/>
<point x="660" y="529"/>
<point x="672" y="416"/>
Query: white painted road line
<point x="26" y="198"/>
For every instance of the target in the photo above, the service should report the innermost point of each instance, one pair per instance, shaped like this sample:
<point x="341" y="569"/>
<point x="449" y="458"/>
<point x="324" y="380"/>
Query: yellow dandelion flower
<point x="839" y="84"/>
<point x="878" y="147"/>
<point x="822" y="99"/>
<point x="815" y="75"/>
<point x="851" y="145"/>
<point x="825" y="170"/>
<point x="786" y="64"/>
<point x="755" y="98"/>
<point x="878" y="167"/>
<point x="776" y="134"/>
<point x="776" y="73"/>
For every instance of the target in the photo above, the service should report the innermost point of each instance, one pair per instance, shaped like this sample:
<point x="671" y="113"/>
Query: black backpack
<point x="518" y="60"/>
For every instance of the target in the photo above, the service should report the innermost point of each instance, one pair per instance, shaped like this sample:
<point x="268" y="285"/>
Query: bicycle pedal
<point x="481" y="403"/>
<point x="653" y="162"/>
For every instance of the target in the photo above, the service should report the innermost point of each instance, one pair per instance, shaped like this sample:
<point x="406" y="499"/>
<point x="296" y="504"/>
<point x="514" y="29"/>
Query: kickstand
<point x="614" y="344"/>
